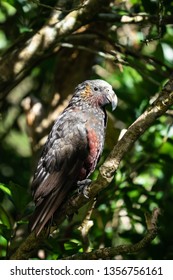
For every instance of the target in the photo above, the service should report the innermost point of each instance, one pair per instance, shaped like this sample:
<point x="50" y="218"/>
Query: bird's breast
<point x="96" y="135"/>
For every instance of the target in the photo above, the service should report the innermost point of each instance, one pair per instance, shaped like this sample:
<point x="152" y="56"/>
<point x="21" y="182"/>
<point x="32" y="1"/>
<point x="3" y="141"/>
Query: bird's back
<point x="69" y="155"/>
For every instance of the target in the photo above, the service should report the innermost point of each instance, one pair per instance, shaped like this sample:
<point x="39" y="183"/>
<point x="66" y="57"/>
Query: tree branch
<point x="109" y="167"/>
<point x="134" y="18"/>
<point x="110" y="252"/>
<point x="16" y="63"/>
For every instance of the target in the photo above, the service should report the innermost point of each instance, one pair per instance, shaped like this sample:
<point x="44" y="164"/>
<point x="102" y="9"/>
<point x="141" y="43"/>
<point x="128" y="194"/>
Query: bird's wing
<point x="58" y="169"/>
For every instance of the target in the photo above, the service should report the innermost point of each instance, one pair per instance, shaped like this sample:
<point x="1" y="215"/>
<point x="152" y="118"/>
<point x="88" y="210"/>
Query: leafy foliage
<point x="134" y="53"/>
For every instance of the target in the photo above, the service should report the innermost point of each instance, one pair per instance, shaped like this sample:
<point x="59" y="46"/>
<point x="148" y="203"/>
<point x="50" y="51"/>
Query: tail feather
<point x="48" y="204"/>
<point x="45" y="211"/>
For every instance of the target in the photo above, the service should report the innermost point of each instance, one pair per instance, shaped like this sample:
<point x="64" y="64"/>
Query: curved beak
<point x="111" y="96"/>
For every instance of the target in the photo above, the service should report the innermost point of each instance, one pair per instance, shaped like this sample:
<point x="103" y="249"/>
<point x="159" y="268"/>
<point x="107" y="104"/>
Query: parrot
<point x="72" y="150"/>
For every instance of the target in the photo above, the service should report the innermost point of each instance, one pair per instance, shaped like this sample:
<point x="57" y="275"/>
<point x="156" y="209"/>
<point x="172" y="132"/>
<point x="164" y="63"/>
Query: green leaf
<point x="5" y="189"/>
<point x="4" y="217"/>
<point x="19" y="196"/>
<point x="5" y="232"/>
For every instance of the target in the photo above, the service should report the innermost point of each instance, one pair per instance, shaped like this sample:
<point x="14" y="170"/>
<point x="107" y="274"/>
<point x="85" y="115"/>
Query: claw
<point x="83" y="187"/>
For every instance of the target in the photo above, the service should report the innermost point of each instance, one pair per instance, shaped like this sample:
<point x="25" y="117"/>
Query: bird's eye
<point x="96" y="89"/>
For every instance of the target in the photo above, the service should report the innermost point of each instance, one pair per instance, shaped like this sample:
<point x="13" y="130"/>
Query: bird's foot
<point x="83" y="187"/>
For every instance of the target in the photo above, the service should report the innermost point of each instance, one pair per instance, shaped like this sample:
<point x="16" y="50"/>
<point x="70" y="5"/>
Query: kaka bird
<point x="72" y="150"/>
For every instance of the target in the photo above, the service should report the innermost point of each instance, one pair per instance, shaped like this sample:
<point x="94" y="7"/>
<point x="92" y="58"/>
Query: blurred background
<point x="128" y="44"/>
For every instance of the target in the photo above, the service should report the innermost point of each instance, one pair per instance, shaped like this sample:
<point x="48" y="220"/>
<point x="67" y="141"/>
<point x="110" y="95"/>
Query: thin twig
<point x="110" y="252"/>
<point x="38" y="3"/>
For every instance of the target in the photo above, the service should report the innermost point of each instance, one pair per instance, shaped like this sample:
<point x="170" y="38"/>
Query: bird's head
<point x="96" y="93"/>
